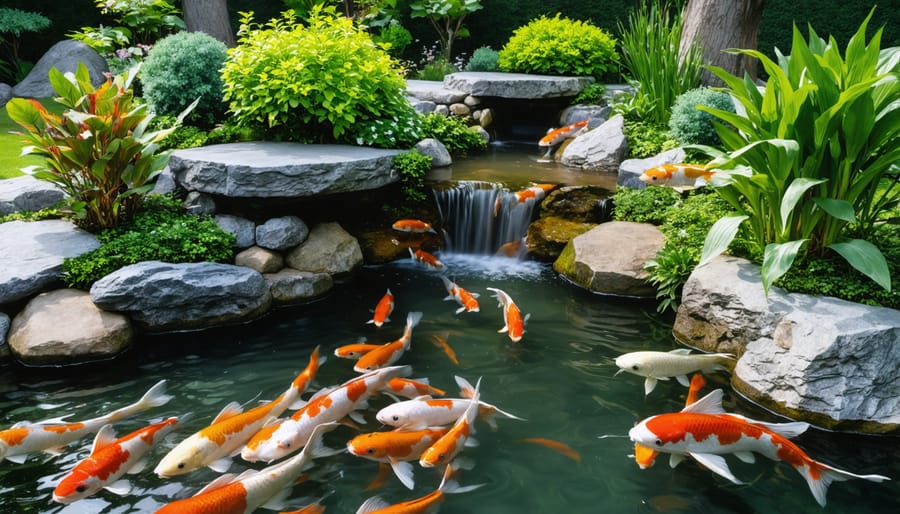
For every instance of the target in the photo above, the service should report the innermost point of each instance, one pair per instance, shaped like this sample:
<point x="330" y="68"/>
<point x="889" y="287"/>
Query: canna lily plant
<point x="813" y="163"/>
<point x="99" y="151"/>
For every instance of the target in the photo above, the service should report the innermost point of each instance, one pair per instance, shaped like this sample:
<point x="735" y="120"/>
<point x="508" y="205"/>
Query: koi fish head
<point x="75" y="486"/>
<point x="631" y="363"/>
<point x="369" y="446"/>
<point x="182" y="459"/>
<point x="657" y="434"/>
<point x="657" y="175"/>
<point x="396" y="415"/>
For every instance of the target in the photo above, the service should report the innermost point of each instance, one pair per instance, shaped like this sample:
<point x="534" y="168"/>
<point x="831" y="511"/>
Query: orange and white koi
<point x="389" y="353"/>
<point x="242" y="494"/>
<point x="425" y="258"/>
<point x="441" y="342"/>
<point x="312" y="508"/>
<point x="25" y="437"/>
<point x="414" y="226"/>
<point x="557" y="136"/>
<point x="677" y="363"/>
<point x="645" y="456"/>
<point x="111" y="458"/>
<point x="705" y="432"/>
<point x="411" y="388"/>
<point x="537" y="191"/>
<point x="468" y="301"/>
<point x="425" y="504"/>
<point x="396" y="448"/>
<point x="354" y="351"/>
<point x="514" y="323"/>
<point x="214" y="445"/>
<point x="452" y="443"/>
<point x="286" y="436"/>
<point x="383" y="309"/>
<point x="557" y="446"/>
<point x="677" y="175"/>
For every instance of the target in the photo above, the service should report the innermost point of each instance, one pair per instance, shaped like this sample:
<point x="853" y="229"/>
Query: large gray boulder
<point x="433" y="148"/>
<point x="609" y="259"/>
<point x="515" y="85"/>
<point x="160" y="296"/>
<point x="597" y="114"/>
<point x="328" y="249"/>
<point x="27" y="193"/>
<point x="33" y="253"/>
<point x="819" y="359"/>
<point x="631" y="170"/>
<point x="282" y="170"/>
<point x="601" y="149"/>
<point x="65" y="57"/>
<point x="65" y="327"/>
<point x="291" y="286"/>
<point x="281" y="233"/>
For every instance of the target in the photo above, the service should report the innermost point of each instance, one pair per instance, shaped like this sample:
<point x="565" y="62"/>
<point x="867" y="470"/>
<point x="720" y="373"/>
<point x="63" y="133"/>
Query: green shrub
<point x="453" y="132"/>
<point x="412" y="167"/>
<point x="185" y="136"/>
<point x="484" y="58"/>
<point x="691" y="126"/>
<point x="403" y="131"/>
<point x="43" y="214"/>
<point x="14" y="22"/>
<point x="560" y="46"/>
<point x="591" y="95"/>
<point x="182" y="68"/>
<point x="647" y="205"/>
<point x="396" y="37"/>
<point x="163" y="231"/>
<point x="230" y="132"/>
<point x="646" y="139"/>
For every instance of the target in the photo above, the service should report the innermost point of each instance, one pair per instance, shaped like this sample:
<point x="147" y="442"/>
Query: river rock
<point x="265" y="169"/>
<point x="328" y="249"/>
<point x="65" y="327"/>
<point x="584" y="204"/>
<point x="292" y="286"/>
<point x="27" y="193"/>
<point x="597" y="114"/>
<point x="281" y="233"/>
<point x="549" y="235"/>
<point x="515" y="85"/>
<point x="260" y="259"/>
<point x="243" y="229"/>
<point x="601" y="149"/>
<point x="486" y="118"/>
<point x="433" y="148"/>
<point x="64" y="56"/>
<point x="442" y="109"/>
<point x="423" y="106"/>
<point x="160" y="296"/>
<point x="461" y="110"/>
<point x="31" y="260"/>
<point x="609" y="259"/>
<point x="631" y="169"/>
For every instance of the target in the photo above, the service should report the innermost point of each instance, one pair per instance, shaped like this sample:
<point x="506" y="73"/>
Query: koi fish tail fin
<point x="315" y="448"/>
<point x="412" y="320"/>
<point x="154" y="397"/>
<point x="451" y="486"/>
<point x="819" y="476"/>
<point x="489" y="413"/>
<point x="466" y="389"/>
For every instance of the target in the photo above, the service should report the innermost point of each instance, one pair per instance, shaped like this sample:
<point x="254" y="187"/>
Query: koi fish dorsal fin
<point x="218" y="483"/>
<point x="228" y="411"/>
<point x="105" y="437"/>
<point x="709" y="404"/>
<point x="681" y="351"/>
<point x="372" y="504"/>
<point x="789" y="430"/>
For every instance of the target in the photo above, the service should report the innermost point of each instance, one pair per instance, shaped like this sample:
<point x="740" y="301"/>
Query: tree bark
<point x="717" y="25"/>
<point x="210" y="16"/>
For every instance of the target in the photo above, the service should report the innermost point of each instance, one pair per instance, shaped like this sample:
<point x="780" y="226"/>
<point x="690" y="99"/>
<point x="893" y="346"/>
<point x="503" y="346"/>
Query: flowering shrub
<point x="399" y="131"/>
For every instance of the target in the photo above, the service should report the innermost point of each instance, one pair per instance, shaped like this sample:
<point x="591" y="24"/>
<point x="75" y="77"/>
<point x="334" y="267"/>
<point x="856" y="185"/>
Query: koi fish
<point x="468" y="301"/>
<point x="537" y="191"/>
<point x="355" y="350"/>
<point x="557" y="136"/>
<point x="705" y="432"/>
<point x="441" y="343"/>
<point x="677" y="175"/>
<point x="557" y="446"/>
<point x="214" y="445"/>
<point x="312" y="508"/>
<point x="26" y="437"/>
<point x="514" y="323"/>
<point x="286" y="436"/>
<point x="384" y="309"/>
<point x="425" y="504"/>
<point x="111" y="458"/>
<point x="411" y="388"/>
<point x="396" y="448"/>
<point x="414" y="226"/>
<point x="510" y="249"/>
<point x="423" y="257"/>
<point x="450" y="444"/>
<point x="389" y="353"/>
<point x="645" y="456"/>
<point x="242" y="494"/>
<point x="676" y="363"/>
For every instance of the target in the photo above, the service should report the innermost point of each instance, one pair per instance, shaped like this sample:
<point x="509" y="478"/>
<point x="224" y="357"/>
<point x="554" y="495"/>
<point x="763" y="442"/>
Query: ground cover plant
<point x="453" y="132"/>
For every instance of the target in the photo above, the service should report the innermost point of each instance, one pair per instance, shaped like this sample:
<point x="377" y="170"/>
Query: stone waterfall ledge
<point x="830" y="362"/>
<point x="515" y="85"/>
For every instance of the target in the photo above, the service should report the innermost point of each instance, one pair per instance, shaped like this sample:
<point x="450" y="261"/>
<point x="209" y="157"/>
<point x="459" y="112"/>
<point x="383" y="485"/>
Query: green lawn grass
<point x="11" y="144"/>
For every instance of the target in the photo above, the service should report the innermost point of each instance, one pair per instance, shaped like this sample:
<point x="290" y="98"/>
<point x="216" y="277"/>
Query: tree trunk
<point x="210" y="16"/>
<point x="717" y="25"/>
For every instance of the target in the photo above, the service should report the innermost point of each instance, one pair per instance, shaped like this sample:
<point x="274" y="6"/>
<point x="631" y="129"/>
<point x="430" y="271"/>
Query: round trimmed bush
<point x="560" y="46"/>
<point x="484" y="59"/>
<point x="181" y="68"/>
<point x="689" y="125"/>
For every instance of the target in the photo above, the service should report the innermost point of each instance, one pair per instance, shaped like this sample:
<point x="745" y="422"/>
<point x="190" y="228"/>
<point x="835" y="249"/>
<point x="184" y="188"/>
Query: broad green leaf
<point x="866" y="258"/>
<point x="26" y="113"/>
<point x="840" y="209"/>
<point x="64" y="87"/>
<point x="777" y="259"/>
<point x="792" y="195"/>
<point x="719" y="237"/>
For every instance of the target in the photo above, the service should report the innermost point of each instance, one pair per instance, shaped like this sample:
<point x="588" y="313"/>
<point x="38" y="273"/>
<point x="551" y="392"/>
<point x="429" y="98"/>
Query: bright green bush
<point x="560" y="46"/>
<point x="484" y="58"/>
<point x="647" y="205"/>
<point x="646" y="139"/>
<point x="412" y="167"/>
<point x="322" y="81"/>
<point x="591" y="95"/>
<point x="396" y="37"/>
<point x="182" y="68"/>
<point x="453" y="132"/>
<point x="691" y="126"/>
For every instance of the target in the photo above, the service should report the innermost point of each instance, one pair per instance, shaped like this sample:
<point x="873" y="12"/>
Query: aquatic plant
<point x="689" y="125"/>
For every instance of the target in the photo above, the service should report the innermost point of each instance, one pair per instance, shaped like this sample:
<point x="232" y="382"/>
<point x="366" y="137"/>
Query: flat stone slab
<point x="27" y="193"/>
<point x="515" y="85"/>
<point x="434" y="91"/>
<point x="282" y="170"/>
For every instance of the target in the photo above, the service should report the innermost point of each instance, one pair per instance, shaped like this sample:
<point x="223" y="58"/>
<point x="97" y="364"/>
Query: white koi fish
<point x="514" y="323"/>
<point x="468" y="301"/>
<point x="677" y="363"/>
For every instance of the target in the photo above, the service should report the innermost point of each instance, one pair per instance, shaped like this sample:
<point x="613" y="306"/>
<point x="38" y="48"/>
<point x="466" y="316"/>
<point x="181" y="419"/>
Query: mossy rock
<point x="576" y="203"/>
<point x="549" y="235"/>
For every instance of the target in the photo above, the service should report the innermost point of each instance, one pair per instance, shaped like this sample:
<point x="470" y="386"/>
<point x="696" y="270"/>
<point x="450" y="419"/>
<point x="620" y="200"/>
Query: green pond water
<point x="560" y="378"/>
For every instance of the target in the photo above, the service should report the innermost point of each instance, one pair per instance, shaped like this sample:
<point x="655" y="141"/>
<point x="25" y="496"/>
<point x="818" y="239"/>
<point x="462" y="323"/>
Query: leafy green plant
<point x="804" y="167"/>
<point x="669" y="270"/>
<point x="591" y="95"/>
<point x="162" y="230"/>
<point x="104" y="40"/>
<point x="560" y="46"/>
<point x="182" y="68"/>
<point x="484" y="58"/>
<point x="230" y="132"/>
<point x="646" y="139"/>
<point x="404" y="130"/>
<point x="149" y="19"/>
<point x="395" y="37"/>
<point x="43" y="214"/>
<point x="412" y="167"/>
<point x="433" y="65"/>
<point x="446" y="17"/>
<point x="691" y="126"/>
<point x="185" y="136"/>
<point x="453" y="132"/>
<point x="650" y="53"/>
<point x="13" y="23"/>
<point x="99" y="151"/>
<point x="647" y="205"/>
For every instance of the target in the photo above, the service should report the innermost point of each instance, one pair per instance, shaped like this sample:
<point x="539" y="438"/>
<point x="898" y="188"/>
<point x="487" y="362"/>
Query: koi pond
<point x="559" y="378"/>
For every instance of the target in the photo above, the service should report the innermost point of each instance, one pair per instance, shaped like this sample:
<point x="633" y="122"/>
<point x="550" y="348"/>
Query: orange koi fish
<point x="557" y="136"/>
<point x="423" y="257"/>
<point x="111" y="458"/>
<point x="243" y="494"/>
<point x="414" y="226"/>
<point x="450" y="444"/>
<point x="355" y="350"/>
<point x="396" y="448"/>
<point x="214" y="445"/>
<point x="384" y="309"/>
<point x="389" y="353"/>
<point x="677" y="175"/>
<point x="286" y="436"/>
<point x="428" y="503"/>
<point x="554" y="445"/>
<point x="468" y="301"/>
<point x="645" y="456"/>
<point x="52" y="435"/>
<point x="514" y="323"/>
<point x="705" y="432"/>
<point x="441" y="343"/>
<point x="411" y="388"/>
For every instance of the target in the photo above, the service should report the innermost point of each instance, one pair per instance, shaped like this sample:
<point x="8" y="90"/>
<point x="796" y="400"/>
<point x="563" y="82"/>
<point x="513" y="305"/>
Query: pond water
<point x="560" y="378"/>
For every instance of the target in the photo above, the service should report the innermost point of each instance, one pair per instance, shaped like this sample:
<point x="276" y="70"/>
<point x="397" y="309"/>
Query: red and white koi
<point x="396" y="448"/>
<point x="677" y="363"/>
<point x="244" y="493"/>
<point x="426" y="504"/>
<point x="514" y="323"/>
<point x="286" y="436"/>
<point x="214" y="445"/>
<point x="413" y="226"/>
<point x="705" y="432"/>
<point x="111" y="458"/>
<point x="389" y="353"/>
<point x="426" y="259"/>
<point x="25" y="437"/>
<point x="468" y="301"/>
<point x="645" y="456"/>
<point x="452" y="443"/>
<point x="411" y="388"/>
<point x="677" y="175"/>
<point x="383" y="309"/>
<point x="557" y="136"/>
<point x="354" y="351"/>
<point x="537" y="192"/>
